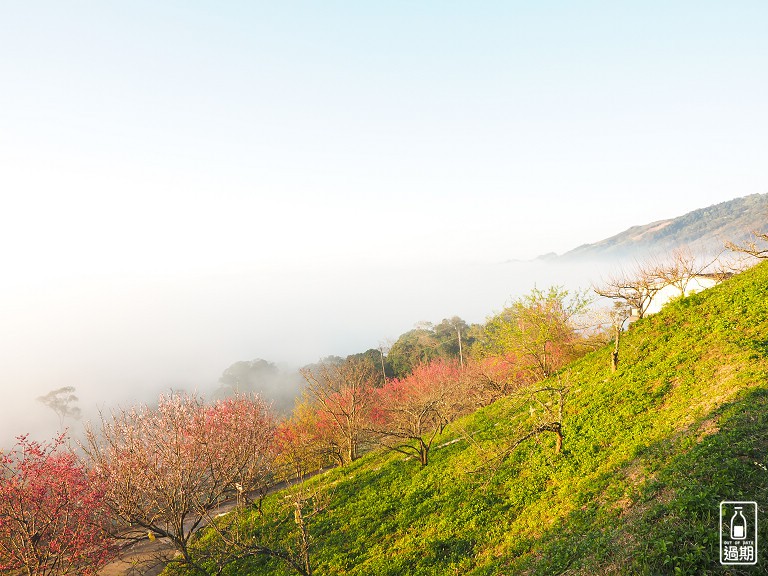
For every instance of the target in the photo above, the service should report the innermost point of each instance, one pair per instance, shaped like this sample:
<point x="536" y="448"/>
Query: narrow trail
<point x="147" y="557"/>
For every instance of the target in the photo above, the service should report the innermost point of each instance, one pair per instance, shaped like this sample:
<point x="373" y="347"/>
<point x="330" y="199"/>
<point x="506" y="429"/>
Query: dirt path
<point x="149" y="557"/>
<point x="146" y="558"/>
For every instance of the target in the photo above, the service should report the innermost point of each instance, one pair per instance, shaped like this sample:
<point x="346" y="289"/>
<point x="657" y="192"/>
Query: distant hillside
<point x="649" y="453"/>
<point x="704" y="230"/>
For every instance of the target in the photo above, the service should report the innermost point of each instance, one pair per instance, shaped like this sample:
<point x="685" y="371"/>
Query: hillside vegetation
<point x="649" y="452"/>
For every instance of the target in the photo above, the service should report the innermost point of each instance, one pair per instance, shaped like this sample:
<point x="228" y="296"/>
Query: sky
<point x="188" y="184"/>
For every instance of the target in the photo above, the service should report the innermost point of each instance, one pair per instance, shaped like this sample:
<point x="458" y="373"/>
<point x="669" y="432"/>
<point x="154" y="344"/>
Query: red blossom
<point x="166" y="468"/>
<point x="410" y="412"/>
<point x="51" y="512"/>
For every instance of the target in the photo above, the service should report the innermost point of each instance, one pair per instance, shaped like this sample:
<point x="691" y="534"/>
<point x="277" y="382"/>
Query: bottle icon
<point x="738" y="525"/>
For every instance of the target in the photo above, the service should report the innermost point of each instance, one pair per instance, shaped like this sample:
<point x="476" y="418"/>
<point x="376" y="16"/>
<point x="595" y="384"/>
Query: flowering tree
<point x="488" y="378"/>
<point x="51" y="512"/>
<point x="166" y="468"/>
<point x="343" y="393"/>
<point x="411" y="412"/>
<point x="540" y="330"/>
<point x="306" y="441"/>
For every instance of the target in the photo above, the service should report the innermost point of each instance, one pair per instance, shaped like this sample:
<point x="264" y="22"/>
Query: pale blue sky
<point x="148" y="147"/>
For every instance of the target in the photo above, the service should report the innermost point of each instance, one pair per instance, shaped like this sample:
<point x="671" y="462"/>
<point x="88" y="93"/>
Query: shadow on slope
<point x="669" y="523"/>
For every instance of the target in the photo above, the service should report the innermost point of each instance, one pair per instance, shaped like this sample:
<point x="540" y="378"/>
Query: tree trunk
<point x="615" y="353"/>
<point x="304" y="538"/>
<point x="423" y="453"/>
<point x="559" y="440"/>
<point x="352" y="448"/>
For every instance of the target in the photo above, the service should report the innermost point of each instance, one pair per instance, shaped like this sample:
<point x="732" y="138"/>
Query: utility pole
<point x="461" y="354"/>
<point x="383" y="370"/>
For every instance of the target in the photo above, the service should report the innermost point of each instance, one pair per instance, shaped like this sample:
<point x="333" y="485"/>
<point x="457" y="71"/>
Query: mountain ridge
<point x="703" y="230"/>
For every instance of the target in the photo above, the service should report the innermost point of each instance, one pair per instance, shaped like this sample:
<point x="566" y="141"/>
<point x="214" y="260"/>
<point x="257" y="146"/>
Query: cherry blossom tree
<point x="488" y="378"/>
<point x="411" y="412"/>
<point x="166" y="468"/>
<point x="343" y="393"/>
<point x="307" y="441"/>
<point x="51" y="512"/>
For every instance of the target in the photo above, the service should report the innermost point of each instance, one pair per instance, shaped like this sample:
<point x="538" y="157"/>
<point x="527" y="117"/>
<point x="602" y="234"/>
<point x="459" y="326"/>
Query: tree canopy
<point x="540" y="330"/>
<point x="448" y="339"/>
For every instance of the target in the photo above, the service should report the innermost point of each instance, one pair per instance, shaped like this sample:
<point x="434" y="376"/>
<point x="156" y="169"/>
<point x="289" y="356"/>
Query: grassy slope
<point x="650" y="451"/>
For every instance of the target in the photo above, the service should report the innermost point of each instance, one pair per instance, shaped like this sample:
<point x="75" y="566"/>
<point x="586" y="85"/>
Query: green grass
<point x="649" y="453"/>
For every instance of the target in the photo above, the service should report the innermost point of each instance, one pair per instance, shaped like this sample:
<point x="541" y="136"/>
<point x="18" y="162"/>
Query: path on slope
<point x="148" y="557"/>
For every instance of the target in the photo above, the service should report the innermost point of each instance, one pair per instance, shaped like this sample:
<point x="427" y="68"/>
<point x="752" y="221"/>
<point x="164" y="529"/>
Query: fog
<point x="185" y="189"/>
<point x="120" y="340"/>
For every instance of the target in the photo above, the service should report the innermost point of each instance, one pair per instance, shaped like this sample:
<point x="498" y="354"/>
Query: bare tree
<point x="165" y="469"/>
<point x="283" y="535"/>
<point x="755" y="247"/>
<point x="546" y="407"/>
<point x="681" y="267"/>
<point x="730" y="264"/>
<point x="635" y="289"/>
<point x="343" y="392"/>
<point x="551" y="401"/>
<point x="619" y="315"/>
<point x="638" y="288"/>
